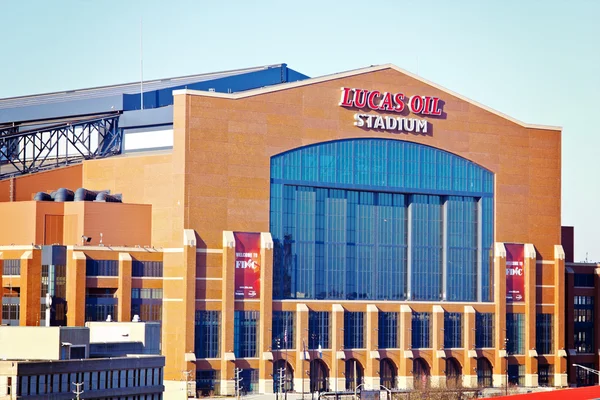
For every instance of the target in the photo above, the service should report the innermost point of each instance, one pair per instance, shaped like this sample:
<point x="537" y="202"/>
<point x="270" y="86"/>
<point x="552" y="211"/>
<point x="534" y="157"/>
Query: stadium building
<point x="363" y="227"/>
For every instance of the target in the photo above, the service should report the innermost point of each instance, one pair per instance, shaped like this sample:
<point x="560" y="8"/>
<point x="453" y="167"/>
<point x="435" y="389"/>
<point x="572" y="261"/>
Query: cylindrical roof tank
<point x="42" y="196"/>
<point x="63" y="195"/>
<point x="104" y="196"/>
<point x="85" y="195"/>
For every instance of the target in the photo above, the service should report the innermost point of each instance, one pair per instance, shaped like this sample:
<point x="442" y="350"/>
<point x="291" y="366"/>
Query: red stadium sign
<point x="515" y="273"/>
<point x="247" y="265"/>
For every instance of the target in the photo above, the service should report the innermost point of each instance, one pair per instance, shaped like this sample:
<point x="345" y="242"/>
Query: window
<point x="515" y="332"/>
<point x="388" y="330"/>
<point x="354" y="330"/>
<point x="100" y="303"/>
<point x="147" y="304"/>
<point x="516" y="374"/>
<point x="245" y="333"/>
<point x="146" y="268"/>
<point x="544" y="334"/>
<point x="77" y="352"/>
<point x="585" y="377"/>
<point x="340" y="218"/>
<point x="102" y="267"/>
<point x="283" y="330"/>
<point x="318" y="329"/>
<point x="452" y="330"/>
<point x="208" y="333"/>
<point x="421" y="328"/>
<point x="583" y="280"/>
<point x="545" y="375"/>
<point x="484" y="330"/>
<point x="12" y="267"/>
<point x="208" y="382"/>
<point x="584" y="324"/>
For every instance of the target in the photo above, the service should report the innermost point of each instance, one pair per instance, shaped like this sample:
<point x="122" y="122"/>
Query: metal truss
<point x="52" y="146"/>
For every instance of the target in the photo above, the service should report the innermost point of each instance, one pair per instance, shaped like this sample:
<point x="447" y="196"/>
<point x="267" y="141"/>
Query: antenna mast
<point x="141" y="63"/>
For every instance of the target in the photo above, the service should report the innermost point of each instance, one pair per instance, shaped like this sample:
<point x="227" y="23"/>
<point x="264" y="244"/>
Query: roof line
<point x="360" y="71"/>
<point x="137" y="82"/>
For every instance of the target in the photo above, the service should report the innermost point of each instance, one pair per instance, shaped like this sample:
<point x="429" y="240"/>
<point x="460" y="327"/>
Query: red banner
<point x="515" y="275"/>
<point x="247" y="265"/>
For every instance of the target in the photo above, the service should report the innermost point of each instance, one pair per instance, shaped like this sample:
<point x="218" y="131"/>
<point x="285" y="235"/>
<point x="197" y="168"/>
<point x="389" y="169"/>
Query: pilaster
<point x="76" y="283"/>
<point x="405" y="377"/>
<point x="31" y="280"/>
<point x="500" y="360"/>
<point x="337" y="348"/>
<point x="227" y="315"/>
<point x="470" y="355"/>
<point x="124" y="289"/>
<point x="372" y="378"/>
<point x="302" y="367"/>
<point x="560" y="353"/>
<point x="531" y="377"/>
<point x="266" y="312"/>
<point x="438" y="359"/>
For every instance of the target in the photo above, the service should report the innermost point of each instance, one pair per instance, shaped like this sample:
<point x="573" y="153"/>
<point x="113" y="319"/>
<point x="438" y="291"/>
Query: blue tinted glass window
<point x="354" y="330"/>
<point x="245" y="333"/>
<point x="484" y="330"/>
<point x="380" y="219"/>
<point x="421" y="329"/>
<point x="388" y="330"/>
<point x="452" y="330"/>
<point x="318" y="329"/>
<point x="283" y="330"/>
<point x="515" y="333"/>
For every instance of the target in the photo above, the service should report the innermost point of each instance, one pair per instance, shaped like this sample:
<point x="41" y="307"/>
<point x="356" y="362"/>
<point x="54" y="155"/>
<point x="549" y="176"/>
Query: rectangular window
<point x="545" y="375"/>
<point x="515" y="331"/>
<point x="208" y="333"/>
<point x="584" y="324"/>
<point x="208" y="382"/>
<point x="583" y="280"/>
<point x="544" y="334"/>
<point x="421" y="328"/>
<point x="516" y="374"/>
<point x="283" y="330"/>
<point x="318" y="329"/>
<point x="484" y="330"/>
<point x="147" y="304"/>
<point x="12" y="267"/>
<point x="147" y="268"/>
<point x="245" y="333"/>
<point x="452" y="330"/>
<point x="388" y="330"/>
<point x="354" y="330"/>
<point x="102" y="267"/>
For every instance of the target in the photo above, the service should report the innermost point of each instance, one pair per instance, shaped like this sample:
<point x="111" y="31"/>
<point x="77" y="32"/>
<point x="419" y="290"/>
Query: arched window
<point x="453" y="373"/>
<point x="388" y="373"/>
<point x="421" y="373"/>
<point x="354" y="374"/>
<point x="319" y="376"/>
<point x="484" y="372"/>
<point x="341" y="214"/>
<point x="282" y="373"/>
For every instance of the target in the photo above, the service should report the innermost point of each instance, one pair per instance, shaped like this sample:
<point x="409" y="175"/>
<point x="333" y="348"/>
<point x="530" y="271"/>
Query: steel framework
<point x="52" y="146"/>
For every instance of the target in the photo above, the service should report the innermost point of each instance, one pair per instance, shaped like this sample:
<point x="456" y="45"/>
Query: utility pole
<point x="238" y="380"/>
<point x="77" y="391"/>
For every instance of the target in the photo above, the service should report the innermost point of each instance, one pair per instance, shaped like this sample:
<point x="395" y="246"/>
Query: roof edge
<point x="360" y="71"/>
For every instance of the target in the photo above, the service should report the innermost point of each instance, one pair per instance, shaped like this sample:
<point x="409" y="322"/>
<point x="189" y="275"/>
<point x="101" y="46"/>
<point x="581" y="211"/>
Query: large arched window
<point x="380" y="219"/>
<point x="484" y="372"/>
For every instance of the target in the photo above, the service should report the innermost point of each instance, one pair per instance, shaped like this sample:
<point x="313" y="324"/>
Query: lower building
<point x="53" y="363"/>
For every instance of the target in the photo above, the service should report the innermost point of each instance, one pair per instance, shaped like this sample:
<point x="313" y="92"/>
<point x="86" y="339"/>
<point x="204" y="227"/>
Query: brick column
<point x="470" y="355"/>
<point x="31" y="281"/>
<point x="265" y="383"/>
<point x="301" y="378"/>
<point x="560" y="354"/>
<point x="76" y="283"/>
<point x="179" y="292"/>
<point x="500" y="362"/>
<point x="405" y="377"/>
<point x="372" y="377"/>
<point x="337" y="381"/>
<point x="124" y="288"/>
<point x="570" y="328"/>
<point x="531" y="376"/>
<point x="438" y="356"/>
<point x="227" y="315"/>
